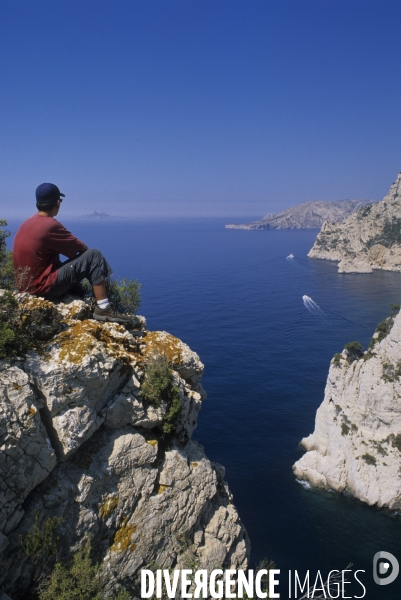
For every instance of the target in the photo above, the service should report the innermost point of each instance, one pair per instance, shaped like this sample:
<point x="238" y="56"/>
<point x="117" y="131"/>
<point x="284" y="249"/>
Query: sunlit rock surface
<point x="79" y="442"/>
<point x="368" y="239"/>
<point x="356" y="444"/>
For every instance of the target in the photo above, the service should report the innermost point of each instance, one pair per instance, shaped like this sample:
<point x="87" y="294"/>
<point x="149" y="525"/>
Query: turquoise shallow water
<point x="237" y="301"/>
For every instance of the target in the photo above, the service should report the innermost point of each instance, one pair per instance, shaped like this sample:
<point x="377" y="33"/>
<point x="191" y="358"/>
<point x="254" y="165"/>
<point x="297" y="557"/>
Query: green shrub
<point x="6" y="260"/>
<point x="158" y="380"/>
<point x="354" y="350"/>
<point x="77" y="581"/>
<point x="23" y="326"/>
<point x="41" y="545"/>
<point x="369" y="459"/>
<point x="173" y="414"/>
<point x="337" y="359"/>
<point x="14" y="338"/>
<point x="41" y="540"/>
<point x="396" y="442"/>
<point x="158" y="386"/>
<point x="124" y="294"/>
<point x="344" y="429"/>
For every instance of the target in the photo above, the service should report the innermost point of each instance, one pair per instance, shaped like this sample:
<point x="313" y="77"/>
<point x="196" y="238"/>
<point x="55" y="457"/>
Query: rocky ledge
<point x="356" y="445"/>
<point x="79" y="442"/>
<point x="367" y="240"/>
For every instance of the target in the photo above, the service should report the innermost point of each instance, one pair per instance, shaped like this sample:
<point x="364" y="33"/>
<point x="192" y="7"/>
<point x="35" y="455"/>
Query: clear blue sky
<point x="198" y="107"/>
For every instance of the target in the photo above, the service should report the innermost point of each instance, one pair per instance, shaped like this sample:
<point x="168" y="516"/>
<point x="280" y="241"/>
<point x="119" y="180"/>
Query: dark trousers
<point x="90" y="265"/>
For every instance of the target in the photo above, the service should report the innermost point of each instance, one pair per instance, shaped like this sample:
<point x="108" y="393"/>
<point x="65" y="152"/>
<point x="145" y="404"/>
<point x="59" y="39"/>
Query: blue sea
<point x="236" y="299"/>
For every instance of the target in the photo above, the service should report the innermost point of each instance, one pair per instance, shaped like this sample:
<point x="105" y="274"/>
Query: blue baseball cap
<point x="47" y="192"/>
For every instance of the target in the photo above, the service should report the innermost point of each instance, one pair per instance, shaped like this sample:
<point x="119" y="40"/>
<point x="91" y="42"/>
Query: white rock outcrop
<point x="308" y="215"/>
<point x="79" y="442"/>
<point x="356" y="444"/>
<point x="368" y="239"/>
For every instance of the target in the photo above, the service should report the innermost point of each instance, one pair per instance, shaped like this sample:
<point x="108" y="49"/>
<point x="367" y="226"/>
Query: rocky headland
<point x="356" y="444"/>
<point x="367" y="240"/>
<point x="80" y="443"/>
<point x="309" y="215"/>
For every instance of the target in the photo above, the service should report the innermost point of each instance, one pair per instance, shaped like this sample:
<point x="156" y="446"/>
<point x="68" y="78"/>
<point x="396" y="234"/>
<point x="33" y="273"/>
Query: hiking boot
<point x="112" y="316"/>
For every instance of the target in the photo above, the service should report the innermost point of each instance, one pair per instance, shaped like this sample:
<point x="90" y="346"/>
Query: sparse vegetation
<point x="14" y="338"/>
<point x="158" y="386"/>
<point x="76" y="581"/>
<point x="344" y="429"/>
<point x="364" y="211"/>
<point x="396" y="442"/>
<point x="384" y="327"/>
<point x="389" y="236"/>
<point x="6" y="260"/>
<point x="173" y="414"/>
<point x="354" y="351"/>
<point x="41" y="545"/>
<point x="124" y="294"/>
<point x="380" y="448"/>
<point x="369" y="459"/>
<point x="337" y="359"/>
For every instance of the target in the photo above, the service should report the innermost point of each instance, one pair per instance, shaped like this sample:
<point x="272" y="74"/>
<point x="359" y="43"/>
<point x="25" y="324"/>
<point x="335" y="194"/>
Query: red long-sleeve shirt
<point x="37" y="245"/>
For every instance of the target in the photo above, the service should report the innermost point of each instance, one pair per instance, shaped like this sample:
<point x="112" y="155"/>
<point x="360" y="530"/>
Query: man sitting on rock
<point x="37" y="245"/>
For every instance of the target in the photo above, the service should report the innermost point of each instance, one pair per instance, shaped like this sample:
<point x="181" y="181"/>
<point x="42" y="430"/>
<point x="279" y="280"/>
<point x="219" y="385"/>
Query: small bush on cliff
<point x="369" y="459"/>
<point x="80" y="580"/>
<point x="158" y="386"/>
<point x="14" y="338"/>
<point x="41" y="545"/>
<point x="24" y="326"/>
<point x="124" y="294"/>
<point x="77" y="581"/>
<point x="354" y="350"/>
<point x="6" y="260"/>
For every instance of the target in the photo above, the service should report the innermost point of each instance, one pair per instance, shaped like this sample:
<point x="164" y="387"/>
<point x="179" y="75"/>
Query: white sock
<point x="103" y="304"/>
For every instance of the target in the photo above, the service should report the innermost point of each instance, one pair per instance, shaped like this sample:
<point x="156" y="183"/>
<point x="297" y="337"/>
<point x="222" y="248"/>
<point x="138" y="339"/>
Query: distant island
<point x="309" y="215"/>
<point x="97" y="215"/>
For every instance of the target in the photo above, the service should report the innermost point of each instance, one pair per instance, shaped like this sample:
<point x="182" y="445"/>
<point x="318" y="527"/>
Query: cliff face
<point x="309" y="215"/>
<point x="356" y="445"/>
<point x="79" y="442"/>
<point x="369" y="239"/>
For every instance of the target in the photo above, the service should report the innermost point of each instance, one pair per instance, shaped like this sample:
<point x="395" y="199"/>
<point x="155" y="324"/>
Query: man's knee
<point x="94" y="254"/>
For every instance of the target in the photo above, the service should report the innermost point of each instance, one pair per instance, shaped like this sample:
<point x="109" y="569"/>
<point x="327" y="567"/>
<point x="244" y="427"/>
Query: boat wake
<point x="311" y="305"/>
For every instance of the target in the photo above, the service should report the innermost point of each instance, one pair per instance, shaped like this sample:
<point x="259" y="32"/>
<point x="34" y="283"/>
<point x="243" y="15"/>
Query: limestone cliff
<point x="369" y="239"/>
<point x="309" y="215"/>
<point x="356" y="445"/>
<point x="79" y="442"/>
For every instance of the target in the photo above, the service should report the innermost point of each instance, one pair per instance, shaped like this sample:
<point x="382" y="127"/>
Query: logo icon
<point x="385" y="564"/>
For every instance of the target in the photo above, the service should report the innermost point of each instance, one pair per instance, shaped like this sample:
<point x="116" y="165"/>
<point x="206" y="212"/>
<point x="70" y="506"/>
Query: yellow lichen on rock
<point x="160" y="342"/>
<point x="108" y="507"/>
<point x="152" y="443"/>
<point x="77" y="341"/>
<point x="162" y="488"/>
<point x="122" y="539"/>
<point x="84" y="336"/>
